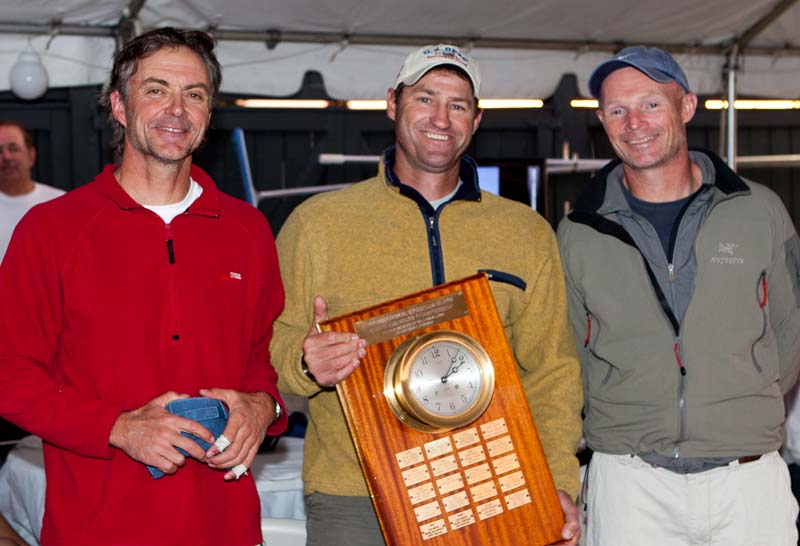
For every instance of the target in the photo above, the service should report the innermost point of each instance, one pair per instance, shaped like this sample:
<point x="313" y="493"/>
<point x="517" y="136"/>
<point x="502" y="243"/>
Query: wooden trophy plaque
<point x="433" y="479"/>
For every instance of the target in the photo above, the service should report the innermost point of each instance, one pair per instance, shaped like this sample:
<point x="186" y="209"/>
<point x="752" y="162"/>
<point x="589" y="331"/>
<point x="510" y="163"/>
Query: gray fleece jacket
<point x="686" y="356"/>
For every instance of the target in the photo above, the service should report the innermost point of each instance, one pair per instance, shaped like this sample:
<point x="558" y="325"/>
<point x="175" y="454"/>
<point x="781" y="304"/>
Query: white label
<point x="472" y="455"/>
<point x="439" y="447"/>
<point x="500" y="446"/>
<point x="450" y="483"/>
<point x="490" y="509"/>
<point x="477" y="474"/>
<point x="506" y="464"/>
<point x="517" y="499"/>
<point x="409" y="457"/>
<point x="433" y="529"/>
<point x="466" y="438"/>
<point x="456" y="501"/>
<point x="421" y="493"/>
<point x="427" y="511"/>
<point x="483" y="491"/>
<point x="416" y="475"/>
<point x="462" y="519"/>
<point x="494" y="428"/>
<point x="444" y="465"/>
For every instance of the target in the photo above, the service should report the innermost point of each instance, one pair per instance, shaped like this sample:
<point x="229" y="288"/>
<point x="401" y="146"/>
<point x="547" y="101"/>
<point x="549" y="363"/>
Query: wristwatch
<point x="306" y="371"/>
<point x="278" y="411"/>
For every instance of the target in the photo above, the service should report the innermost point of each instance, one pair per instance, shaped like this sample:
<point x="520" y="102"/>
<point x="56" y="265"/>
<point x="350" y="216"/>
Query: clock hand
<point x="450" y="369"/>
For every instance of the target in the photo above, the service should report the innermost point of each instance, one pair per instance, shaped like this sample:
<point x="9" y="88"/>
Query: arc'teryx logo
<point x="726" y="254"/>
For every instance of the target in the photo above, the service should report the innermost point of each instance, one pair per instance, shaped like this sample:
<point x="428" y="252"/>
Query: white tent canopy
<point x="523" y="46"/>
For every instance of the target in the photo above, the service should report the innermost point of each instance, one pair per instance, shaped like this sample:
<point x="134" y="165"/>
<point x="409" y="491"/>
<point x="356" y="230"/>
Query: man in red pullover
<point x="145" y="286"/>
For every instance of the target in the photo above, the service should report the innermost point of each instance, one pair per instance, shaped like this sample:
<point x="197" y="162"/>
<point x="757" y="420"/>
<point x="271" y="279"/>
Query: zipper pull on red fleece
<point x="173" y="290"/>
<point x="170" y="247"/>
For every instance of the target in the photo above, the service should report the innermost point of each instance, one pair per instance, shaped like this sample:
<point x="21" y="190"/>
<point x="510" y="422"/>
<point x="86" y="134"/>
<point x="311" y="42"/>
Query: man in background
<point x="18" y="193"/>
<point x="420" y="222"/>
<point x="683" y="291"/>
<point x="146" y="286"/>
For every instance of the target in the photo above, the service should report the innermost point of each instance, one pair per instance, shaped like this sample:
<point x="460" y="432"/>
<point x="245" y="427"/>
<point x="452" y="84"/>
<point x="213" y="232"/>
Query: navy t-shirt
<point x="661" y="215"/>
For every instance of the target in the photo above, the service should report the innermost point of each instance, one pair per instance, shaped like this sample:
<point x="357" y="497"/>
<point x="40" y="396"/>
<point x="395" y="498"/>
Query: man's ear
<point x="477" y="121"/>
<point x="391" y="104"/>
<point x="688" y="107"/>
<point x="118" y="108"/>
<point x="31" y="156"/>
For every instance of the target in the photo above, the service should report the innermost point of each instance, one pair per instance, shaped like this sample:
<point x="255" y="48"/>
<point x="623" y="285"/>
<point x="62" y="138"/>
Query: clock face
<point x="439" y="381"/>
<point x="445" y="378"/>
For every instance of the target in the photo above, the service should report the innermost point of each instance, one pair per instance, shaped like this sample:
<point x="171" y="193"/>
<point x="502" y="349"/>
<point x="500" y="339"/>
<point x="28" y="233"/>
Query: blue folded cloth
<point x="209" y="412"/>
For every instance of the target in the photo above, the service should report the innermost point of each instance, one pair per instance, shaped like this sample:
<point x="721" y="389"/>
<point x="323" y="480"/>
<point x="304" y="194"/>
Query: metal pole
<point x="731" y="125"/>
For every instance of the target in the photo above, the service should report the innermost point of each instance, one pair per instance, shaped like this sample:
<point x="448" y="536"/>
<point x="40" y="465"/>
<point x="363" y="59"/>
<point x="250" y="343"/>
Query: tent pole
<point x="731" y="121"/>
<point x="723" y="123"/>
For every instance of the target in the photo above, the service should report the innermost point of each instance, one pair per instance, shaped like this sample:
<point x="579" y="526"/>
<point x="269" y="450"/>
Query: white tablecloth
<point x="22" y="484"/>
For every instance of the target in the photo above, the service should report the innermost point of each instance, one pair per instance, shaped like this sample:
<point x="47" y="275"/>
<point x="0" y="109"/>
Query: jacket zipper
<point x="677" y="349"/>
<point x="434" y="249"/>
<point x="588" y="330"/>
<point x="676" y="328"/>
<point x="590" y="347"/>
<point x="173" y="289"/>
<point x="676" y="452"/>
<point x="677" y="346"/>
<point x="761" y="299"/>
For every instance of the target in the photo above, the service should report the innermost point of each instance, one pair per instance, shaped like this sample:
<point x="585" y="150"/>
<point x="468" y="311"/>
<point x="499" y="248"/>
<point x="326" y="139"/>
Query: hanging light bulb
<point x="28" y="77"/>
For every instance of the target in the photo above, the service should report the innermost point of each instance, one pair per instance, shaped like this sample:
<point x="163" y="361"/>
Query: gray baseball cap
<point x="656" y="64"/>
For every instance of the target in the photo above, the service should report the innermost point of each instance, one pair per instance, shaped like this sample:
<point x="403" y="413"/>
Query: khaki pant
<point x="630" y="502"/>
<point x="341" y="521"/>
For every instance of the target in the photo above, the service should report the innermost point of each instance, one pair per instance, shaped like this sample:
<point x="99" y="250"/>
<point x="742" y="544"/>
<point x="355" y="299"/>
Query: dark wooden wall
<point x="71" y="136"/>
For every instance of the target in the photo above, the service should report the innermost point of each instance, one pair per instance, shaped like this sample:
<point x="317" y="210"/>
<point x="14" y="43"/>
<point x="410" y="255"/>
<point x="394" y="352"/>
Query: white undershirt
<point x="436" y="203"/>
<point x="14" y="207"/>
<point x="169" y="212"/>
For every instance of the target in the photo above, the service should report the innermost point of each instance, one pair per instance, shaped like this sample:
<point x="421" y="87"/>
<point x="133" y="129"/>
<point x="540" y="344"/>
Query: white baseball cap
<point x="420" y="62"/>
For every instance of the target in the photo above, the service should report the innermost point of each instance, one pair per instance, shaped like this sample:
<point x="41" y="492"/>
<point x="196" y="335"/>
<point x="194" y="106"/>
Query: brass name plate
<point x="412" y="318"/>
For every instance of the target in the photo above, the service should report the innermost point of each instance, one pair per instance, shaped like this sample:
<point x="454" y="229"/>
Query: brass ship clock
<point x="439" y="381"/>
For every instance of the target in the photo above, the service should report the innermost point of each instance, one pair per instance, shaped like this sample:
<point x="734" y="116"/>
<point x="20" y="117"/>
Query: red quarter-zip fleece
<point x="103" y="307"/>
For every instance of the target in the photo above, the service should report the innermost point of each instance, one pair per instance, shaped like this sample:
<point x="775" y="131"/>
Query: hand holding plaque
<point x="329" y="357"/>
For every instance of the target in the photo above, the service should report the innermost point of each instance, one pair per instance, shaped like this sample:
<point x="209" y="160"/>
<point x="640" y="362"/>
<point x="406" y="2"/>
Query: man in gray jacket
<point x="683" y="293"/>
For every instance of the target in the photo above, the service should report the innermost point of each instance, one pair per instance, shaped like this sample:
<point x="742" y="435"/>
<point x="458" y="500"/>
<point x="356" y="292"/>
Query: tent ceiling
<point x="358" y="45"/>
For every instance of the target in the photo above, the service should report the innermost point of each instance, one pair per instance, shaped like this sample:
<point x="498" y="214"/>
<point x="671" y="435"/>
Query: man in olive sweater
<point x="421" y="222"/>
